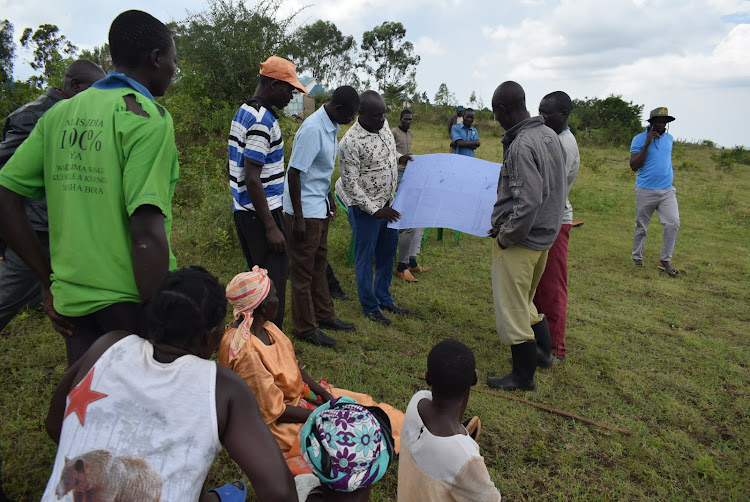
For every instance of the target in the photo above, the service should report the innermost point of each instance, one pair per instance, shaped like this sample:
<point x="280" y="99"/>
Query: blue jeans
<point x="373" y="239"/>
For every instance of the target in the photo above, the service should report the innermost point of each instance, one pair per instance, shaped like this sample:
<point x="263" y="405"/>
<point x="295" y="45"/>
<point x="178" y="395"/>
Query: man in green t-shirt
<point x="106" y="161"/>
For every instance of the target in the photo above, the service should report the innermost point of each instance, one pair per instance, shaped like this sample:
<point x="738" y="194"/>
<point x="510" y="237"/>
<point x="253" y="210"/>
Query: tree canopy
<point x="53" y="52"/>
<point x="611" y="120"/>
<point x="322" y="50"/>
<point x="444" y="97"/>
<point x="7" y="51"/>
<point x="389" y="58"/>
<point x="220" y="48"/>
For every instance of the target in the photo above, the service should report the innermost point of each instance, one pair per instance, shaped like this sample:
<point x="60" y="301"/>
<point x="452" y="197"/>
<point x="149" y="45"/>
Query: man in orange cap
<point x="256" y="173"/>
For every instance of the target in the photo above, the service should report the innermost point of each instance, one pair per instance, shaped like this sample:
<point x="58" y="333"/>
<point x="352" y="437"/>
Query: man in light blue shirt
<point x="464" y="136"/>
<point x="651" y="158"/>
<point x="308" y="206"/>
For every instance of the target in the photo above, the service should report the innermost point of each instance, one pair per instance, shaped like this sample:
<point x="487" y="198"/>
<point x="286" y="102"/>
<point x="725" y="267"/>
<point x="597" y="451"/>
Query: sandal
<point x="236" y="491"/>
<point x="669" y="269"/>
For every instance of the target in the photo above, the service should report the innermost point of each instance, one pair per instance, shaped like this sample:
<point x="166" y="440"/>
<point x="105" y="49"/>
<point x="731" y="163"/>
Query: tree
<point x="473" y="100"/>
<point x="608" y="121"/>
<point x="391" y="60"/>
<point x="7" y="51"/>
<point x="53" y="52"/>
<point x="221" y="48"/>
<point x="100" y="56"/>
<point x="326" y="53"/>
<point x="443" y="97"/>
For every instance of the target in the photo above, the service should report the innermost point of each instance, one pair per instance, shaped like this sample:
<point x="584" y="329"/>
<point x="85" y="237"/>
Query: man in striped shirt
<point x="256" y="173"/>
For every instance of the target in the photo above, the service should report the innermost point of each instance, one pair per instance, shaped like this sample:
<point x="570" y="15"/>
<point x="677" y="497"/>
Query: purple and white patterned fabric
<point x="348" y="446"/>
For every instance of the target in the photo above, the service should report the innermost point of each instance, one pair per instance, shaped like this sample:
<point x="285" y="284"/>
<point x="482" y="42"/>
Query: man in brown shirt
<point x="457" y="118"/>
<point x="410" y="238"/>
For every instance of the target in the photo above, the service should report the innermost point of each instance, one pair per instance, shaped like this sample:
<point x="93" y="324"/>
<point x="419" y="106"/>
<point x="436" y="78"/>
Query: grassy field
<point x="666" y="358"/>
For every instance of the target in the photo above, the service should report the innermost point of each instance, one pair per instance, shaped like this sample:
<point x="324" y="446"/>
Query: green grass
<point x="664" y="358"/>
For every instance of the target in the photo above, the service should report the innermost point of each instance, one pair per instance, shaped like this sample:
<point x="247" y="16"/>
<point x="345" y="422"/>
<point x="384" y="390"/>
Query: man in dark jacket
<point x="525" y="221"/>
<point x="18" y="284"/>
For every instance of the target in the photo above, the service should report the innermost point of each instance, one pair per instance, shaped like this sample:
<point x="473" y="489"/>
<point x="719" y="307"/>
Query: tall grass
<point x="664" y="358"/>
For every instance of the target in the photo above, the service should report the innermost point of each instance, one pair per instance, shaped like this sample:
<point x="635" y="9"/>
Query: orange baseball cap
<point x="281" y="69"/>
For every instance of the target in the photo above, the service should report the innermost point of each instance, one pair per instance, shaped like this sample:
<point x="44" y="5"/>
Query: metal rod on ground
<point x="542" y="407"/>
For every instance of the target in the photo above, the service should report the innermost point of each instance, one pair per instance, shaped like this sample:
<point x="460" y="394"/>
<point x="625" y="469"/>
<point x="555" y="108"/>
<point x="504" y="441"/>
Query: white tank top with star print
<point x="137" y="429"/>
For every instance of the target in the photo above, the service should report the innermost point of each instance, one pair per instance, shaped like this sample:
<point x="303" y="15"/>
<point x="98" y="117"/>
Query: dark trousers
<point x="19" y="286"/>
<point x="130" y="317"/>
<point x="252" y="235"/>
<point x="334" y="286"/>
<point x="373" y="239"/>
<point x="308" y="260"/>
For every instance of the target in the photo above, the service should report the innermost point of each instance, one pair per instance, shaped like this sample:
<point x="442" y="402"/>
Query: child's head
<point x="451" y="369"/>
<point x="348" y="446"/>
<point x="188" y="303"/>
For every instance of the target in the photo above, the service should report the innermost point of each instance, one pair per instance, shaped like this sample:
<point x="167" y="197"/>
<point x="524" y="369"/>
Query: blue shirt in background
<point x="459" y="131"/>
<point x="656" y="173"/>
<point x="314" y="155"/>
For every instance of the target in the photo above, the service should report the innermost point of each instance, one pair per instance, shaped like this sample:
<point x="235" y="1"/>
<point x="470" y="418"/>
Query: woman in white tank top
<point x="143" y="419"/>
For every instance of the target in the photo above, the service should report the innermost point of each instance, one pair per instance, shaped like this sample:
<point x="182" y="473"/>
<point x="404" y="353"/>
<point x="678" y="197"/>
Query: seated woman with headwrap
<point x="259" y="352"/>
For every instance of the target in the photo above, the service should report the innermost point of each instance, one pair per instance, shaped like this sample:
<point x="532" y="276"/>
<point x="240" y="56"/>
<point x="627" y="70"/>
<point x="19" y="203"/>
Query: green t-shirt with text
<point x="96" y="163"/>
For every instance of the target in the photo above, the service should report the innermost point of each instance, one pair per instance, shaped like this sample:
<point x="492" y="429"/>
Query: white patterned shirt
<point x="368" y="163"/>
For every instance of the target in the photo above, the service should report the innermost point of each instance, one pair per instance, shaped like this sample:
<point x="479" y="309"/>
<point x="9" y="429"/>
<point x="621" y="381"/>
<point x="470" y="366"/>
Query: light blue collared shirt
<point x="314" y="155"/>
<point x="117" y="80"/>
<point x="459" y="131"/>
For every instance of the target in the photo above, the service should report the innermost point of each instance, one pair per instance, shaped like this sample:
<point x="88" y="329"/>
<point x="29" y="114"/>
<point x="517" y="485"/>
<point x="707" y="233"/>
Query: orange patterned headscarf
<point x="245" y="293"/>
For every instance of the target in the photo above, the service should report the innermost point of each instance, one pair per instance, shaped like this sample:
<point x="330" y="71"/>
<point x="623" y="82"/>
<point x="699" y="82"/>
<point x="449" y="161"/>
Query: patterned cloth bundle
<point x="348" y="446"/>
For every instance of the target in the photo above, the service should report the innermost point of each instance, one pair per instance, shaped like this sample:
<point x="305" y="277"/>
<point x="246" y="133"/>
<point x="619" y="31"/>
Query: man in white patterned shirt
<point x="368" y="163"/>
<point x="256" y="173"/>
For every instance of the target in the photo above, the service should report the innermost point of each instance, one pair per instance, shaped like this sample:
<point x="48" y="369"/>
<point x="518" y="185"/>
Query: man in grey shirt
<point x="525" y="222"/>
<point x="18" y="284"/>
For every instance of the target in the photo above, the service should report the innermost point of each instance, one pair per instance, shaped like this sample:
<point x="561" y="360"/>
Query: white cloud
<point x="428" y="46"/>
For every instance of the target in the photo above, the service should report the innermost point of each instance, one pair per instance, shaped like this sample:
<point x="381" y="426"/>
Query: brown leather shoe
<point x="405" y="275"/>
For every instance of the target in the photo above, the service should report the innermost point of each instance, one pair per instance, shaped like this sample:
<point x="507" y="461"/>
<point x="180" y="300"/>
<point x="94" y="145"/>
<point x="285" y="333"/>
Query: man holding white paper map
<point x="368" y="162"/>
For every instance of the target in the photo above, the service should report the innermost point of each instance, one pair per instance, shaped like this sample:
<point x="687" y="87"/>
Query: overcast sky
<point x="689" y="55"/>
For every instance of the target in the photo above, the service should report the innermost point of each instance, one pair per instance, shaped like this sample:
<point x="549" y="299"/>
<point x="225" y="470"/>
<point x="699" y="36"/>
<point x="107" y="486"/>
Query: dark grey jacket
<point x="16" y="129"/>
<point x="532" y="188"/>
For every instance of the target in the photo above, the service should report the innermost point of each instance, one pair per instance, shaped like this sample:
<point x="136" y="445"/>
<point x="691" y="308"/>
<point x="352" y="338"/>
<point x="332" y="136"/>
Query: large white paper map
<point x="446" y="190"/>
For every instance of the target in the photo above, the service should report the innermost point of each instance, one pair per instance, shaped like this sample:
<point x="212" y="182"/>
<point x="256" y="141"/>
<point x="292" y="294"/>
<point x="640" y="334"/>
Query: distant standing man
<point x="107" y="162"/>
<point x="18" y="284"/>
<point x="651" y="158"/>
<point x="410" y="239"/>
<point x="552" y="293"/>
<point x="525" y="221"/>
<point x="464" y="136"/>
<point x="456" y="118"/>
<point x="368" y="185"/>
<point x="256" y="173"/>
<point x="308" y="206"/>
